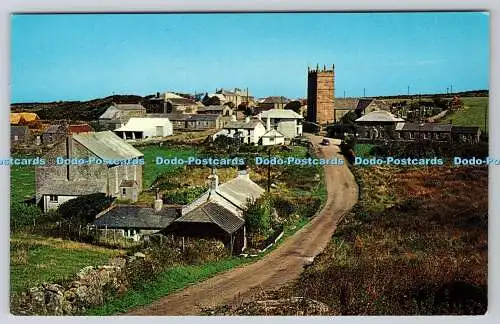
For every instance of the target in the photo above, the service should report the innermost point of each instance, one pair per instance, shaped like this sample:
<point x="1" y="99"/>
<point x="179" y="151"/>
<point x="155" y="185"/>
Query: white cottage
<point x="249" y="131"/>
<point x="140" y="128"/>
<point x="286" y="121"/>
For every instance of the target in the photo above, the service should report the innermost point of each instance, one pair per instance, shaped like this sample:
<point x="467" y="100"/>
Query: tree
<point x="83" y="209"/>
<point x="348" y="118"/>
<point x="456" y="103"/>
<point x="294" y="105"/>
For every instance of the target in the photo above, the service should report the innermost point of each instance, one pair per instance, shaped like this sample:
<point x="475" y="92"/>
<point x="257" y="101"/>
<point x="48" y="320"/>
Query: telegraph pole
<point x="364" y="92"/>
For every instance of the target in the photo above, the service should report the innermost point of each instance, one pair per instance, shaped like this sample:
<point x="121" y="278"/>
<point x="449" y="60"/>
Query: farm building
<point x="53" y="134"/>
<point x="20" y="135"/>
<point x="376" y="125"/>
<point x="118" y="115"/>
<point x="136" y="221"/>
<point x="80" y="128"/>
<point x="59" y="182"/>
<point x="219" y="212"/>
<point x="141" y="128"/>
<point x="466" y="134"/>
<point x="286" y="121"/>
<point x="219" y="110"/>
<point x="193" y="122"/>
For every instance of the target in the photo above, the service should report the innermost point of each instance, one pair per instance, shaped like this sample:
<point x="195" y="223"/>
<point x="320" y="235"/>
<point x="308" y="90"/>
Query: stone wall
<point x="89" y="289"/>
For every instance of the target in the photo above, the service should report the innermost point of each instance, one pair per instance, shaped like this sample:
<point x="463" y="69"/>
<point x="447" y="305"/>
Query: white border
<point x="9" y="6"/>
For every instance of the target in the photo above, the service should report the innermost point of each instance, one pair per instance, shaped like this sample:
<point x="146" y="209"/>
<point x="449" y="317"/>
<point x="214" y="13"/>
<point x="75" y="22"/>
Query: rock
<point x="139" y="255"/>
<point x="85" y="271"/>
<point x="54" y="299"/>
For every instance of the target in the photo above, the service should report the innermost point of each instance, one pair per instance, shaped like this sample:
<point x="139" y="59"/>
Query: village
<point x="177" y="171"/>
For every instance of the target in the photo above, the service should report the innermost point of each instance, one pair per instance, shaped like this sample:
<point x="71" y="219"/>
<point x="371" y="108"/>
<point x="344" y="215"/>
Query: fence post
<point x="79" y="231"/>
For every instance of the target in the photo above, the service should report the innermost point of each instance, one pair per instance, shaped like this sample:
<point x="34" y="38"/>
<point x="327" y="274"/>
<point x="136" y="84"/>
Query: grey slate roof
<point x="426" y="127"/>
<point x="136" y="217"/>
<point x="379" y="116"/>
<point x="210" y="212"/>
<point x="241" y="124"/>
<point x="107" y="145"/>
<point x="276" y="99"/>
<point x="205" y="117"/>
<point x="213" y="108"/>
<point x="465" y="129"/>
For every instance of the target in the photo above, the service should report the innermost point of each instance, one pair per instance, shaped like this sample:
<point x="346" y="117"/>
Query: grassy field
<point x="36" y="259"/>
<point x="474" y="113"/>
<point x="152" y="170"/>
<point x="22" y="182"/>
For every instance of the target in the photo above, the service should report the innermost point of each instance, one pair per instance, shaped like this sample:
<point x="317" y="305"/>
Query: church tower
<point x="320" y="94"/>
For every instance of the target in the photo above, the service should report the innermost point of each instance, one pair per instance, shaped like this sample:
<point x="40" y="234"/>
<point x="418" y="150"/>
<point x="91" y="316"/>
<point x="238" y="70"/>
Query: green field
<point x="34" y="260"/>
<point x="152" y="170"/>
<point x="22" y="182"/>
<point x="474" y="113"/>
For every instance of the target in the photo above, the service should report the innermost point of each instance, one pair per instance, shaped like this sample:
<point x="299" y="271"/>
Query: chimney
<point x="214" y="181"/>
<point x="244" y="174"/>
<point x="247" y="119"/>
<point x="157" y="95"/>
<point x="268" y="123"/>
<point x="259" y="116"/>
<point x="158" y="201"/>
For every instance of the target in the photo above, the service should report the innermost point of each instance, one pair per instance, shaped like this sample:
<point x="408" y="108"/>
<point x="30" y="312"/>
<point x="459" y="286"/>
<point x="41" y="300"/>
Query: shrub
<point x="258" y="215"/>
<point x="22" y="215"/>
<point x="183" y="196"/>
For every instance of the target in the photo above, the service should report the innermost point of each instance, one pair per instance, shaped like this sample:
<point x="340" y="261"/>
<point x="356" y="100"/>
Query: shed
<point x="140" y="128"/>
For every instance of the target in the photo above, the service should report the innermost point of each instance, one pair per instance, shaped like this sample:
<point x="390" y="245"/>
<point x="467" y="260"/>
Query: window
<point x="53" y="198"/>
<point x="16" y="138"/>
<point x="124" y="191"/>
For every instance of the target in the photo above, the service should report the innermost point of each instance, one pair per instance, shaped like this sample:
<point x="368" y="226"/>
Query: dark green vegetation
<point x="415" y="244"/>
<point x="75" y="110"/>
<point x="474" y="113"/>
<point x="82" y="210"/>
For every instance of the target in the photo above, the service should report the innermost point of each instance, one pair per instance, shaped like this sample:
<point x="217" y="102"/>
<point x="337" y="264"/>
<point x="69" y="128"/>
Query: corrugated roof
<point x="107" y="145"/>
<point x="280" y="113"/>
<point x="136" y="217"/>
<point x="213" y="108"/>
<point x="83" y="128"/>
<point x="138" y="124"/>
<point x="379" y="116"/>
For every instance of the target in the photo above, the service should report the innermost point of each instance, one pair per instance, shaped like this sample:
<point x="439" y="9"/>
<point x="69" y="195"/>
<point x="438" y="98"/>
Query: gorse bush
<point x="258" y="215"/>
<point x="22" y="215"/>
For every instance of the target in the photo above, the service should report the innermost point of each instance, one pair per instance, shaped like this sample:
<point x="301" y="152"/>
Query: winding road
<point x="279" y="267"/>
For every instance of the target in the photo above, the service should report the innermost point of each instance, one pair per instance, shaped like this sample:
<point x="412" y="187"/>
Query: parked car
<point x="325" y="141"/>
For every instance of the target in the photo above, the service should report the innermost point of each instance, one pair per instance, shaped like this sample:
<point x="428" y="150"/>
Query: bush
<point x="82" y="210"/>
<point x="258" y="215"/>
<point x="183" y="196"/>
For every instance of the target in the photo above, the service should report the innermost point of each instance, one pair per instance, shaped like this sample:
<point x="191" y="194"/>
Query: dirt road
<point x="280" y="266"/>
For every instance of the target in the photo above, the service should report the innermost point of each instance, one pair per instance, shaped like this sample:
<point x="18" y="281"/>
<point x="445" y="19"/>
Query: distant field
<point x="34" y="259"/>
<point x="22" y="182"/>
<point x="152" y="170"/>
<point x="474" y="113"/>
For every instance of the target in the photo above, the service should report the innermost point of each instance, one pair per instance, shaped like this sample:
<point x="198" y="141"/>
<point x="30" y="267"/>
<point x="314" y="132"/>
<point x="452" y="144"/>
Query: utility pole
<point x="408" y="91"/>
<point x="269" y="171"/>
<point x="451" y="88"/>
<point x="364" y="92"/>
<point x="344" y="94"/>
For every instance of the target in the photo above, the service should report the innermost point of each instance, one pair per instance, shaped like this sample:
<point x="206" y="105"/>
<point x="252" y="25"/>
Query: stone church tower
<point x="320" y="95"/>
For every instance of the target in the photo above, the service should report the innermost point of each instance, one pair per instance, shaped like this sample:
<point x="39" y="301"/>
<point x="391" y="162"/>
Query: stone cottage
<point x="73" y="169"/>
<point x="219" y="212"/>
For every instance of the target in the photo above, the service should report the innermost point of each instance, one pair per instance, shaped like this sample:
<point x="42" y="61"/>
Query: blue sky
<point x="85" y="56"/>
